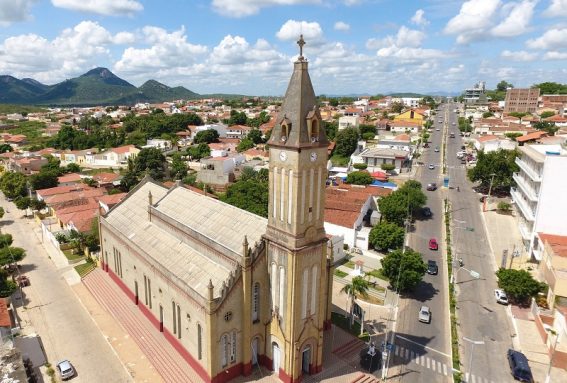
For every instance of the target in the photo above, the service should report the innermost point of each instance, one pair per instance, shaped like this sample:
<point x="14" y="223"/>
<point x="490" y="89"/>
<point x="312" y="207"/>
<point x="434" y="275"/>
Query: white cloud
<point x="557" y="8"/>
<point x="409" y="53"/>
<point x="290" y="31"/>
<point x="14" y="11"/>
<point x="473" y="20"/>
<point x="517" y="21"/>
<point x="554" y="55"/>
<point x="404" y="38"/>
<point x="167" y="49"/>
<point x="123" y="38"/>
<point x="75" y="49"/>
<point x="552" y="39"/>
<point x="342" y="26"/>
<point x="519" y="55"/>
<point x="242" y="8"/>
<point x="102" y="7"/>
<point x="419" y="19"/>
<point x="456" y="69"/>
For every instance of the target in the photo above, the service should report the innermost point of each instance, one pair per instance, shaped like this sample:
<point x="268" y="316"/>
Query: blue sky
<point x="248" y="46"/>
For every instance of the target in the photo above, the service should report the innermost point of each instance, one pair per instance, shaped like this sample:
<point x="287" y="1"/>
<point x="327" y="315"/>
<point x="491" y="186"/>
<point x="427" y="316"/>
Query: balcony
<point x="525" y="186"/>
<point x="528" y="170"/>
<point x="524" y="206"/>
<point x="525" y="231"/>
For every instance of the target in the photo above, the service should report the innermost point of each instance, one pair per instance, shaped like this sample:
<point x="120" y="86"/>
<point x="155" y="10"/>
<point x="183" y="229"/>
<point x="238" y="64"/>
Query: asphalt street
<point x="54" y="311"/>
<point x="429" y="343"/>
<point x="480" y="318"/>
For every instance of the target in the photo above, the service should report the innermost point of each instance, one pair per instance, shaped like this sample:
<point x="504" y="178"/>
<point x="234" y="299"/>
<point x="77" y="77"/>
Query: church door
<point x="306" y="360"/>
<point x="136" y="291"/>
<point x="276" y="356"/>
<point x="254" y="351"/>
<point x="160" y="318"/>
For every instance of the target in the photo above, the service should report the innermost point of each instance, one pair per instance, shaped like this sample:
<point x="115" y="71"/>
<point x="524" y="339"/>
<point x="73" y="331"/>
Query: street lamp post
<point x="473" y="343"/>
<point x="548" y="376"/>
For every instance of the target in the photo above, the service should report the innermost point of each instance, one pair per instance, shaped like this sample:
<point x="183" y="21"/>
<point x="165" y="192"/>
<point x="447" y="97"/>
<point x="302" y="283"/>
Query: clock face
<point x="283" y="156"/>
<point x="313" y="156"/>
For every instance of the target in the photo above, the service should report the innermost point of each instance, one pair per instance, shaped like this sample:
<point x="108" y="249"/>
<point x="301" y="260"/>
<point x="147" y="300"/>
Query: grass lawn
<point x="371" y="299"/>
<point x="338" y="160"/>
<point x="349" y="264"/>
<point x="343" y="322"/>
<point x="380" y="275"/>
<point x="72" y="257"/>
<point x="340" y="273"/>
<point x="85" y="268"/>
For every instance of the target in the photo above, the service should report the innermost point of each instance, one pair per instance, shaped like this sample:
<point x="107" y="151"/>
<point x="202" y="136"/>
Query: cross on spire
<point x="301" y="43"/>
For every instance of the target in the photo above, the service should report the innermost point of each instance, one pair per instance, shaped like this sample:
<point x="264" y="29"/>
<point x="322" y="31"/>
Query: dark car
<point x="519" y="366"/>
<point x="432" y="267"/>
<point x="426" y="145"/>
<point x="426" y="212"/>
<point x="432" y="186"/>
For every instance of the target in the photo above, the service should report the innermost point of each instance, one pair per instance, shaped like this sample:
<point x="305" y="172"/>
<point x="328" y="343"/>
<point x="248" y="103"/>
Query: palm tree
<point x="358" y="286"/>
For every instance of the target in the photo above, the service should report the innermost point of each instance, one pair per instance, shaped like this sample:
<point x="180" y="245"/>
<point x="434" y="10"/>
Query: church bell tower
<point x="295" y="237"/>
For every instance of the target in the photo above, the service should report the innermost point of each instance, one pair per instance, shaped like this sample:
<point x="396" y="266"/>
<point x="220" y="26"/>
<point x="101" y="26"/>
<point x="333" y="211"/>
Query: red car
<point x="433" y="244"/>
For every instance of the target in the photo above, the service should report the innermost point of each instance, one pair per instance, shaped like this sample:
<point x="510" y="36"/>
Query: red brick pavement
<point x="166" y="360"/>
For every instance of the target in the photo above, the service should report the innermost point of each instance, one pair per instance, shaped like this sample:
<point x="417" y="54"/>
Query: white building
<point x="540" y="193"/>
<point x="220" y="128"/>
<point x="348" y="121"/>
<point x="158" y="143"/>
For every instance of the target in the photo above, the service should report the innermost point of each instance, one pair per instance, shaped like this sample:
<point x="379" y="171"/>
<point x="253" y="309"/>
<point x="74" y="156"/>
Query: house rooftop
<point x="558" y="243"/>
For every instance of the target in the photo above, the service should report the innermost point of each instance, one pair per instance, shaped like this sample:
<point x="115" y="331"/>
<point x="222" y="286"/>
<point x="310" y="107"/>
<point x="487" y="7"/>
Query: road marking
<point x="423" y="360"/>
<point x="444" y="369"/>
<point x="419" y="344"/>
<point x="430" y="365"/>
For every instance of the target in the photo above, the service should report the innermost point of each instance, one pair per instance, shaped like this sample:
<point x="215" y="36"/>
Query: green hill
<point x="154" y="90"/>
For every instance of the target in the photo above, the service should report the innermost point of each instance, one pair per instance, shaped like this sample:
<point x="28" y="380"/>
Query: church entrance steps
<point x="159" y="352"/>
<point x="366" y="378"/>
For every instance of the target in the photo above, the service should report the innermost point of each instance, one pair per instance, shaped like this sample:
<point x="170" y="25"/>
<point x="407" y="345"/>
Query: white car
<point x="65" y="369"/>
<point x="437" y="129"/>
<point x="501" y="296"/>
<point x="431" y="166"/>
<point x="424" y="314"/>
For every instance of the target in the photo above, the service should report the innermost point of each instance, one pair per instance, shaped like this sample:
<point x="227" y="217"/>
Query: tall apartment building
<point x="521" y="100"/>
<point x="472" y="95"/>
<point x="539" y="195"/>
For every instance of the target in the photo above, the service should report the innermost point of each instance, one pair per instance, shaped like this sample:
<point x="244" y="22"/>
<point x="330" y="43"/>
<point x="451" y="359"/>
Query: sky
<point x="249" y="46"/>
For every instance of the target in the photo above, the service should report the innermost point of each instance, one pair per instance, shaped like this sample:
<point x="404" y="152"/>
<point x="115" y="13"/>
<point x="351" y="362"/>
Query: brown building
<point x="521" y="100"/>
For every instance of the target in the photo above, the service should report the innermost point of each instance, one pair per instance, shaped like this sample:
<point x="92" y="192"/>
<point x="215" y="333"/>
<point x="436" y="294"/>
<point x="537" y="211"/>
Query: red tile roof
<point x="5" y="320"/>
<point x="558" y="243"/>
<point x="62" y="189"/>
<point x="122" y="149"/>
<point x="531" y="136"/>
<point x="71" y="177"/>
<point x="488" y="137"/>
<point x="112" y="199"/>
<point x="105" y="178"/>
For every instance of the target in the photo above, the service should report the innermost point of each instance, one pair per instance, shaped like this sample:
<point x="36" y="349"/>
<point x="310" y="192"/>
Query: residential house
<point x="8" y="321"/>
<point x="114" y="157"/>
<point x="399" y="142"/>
<point x="254" y="153"/>
<point x="539" y="193"/>
<point x="79" y="157"/>
<point x="107" y="202"/>
<point x="350" y="119"/>
<point x="218" y="172"/>
<point x="106" y="180"/>
<point x="26" y="164"/>
<point x="69" y="179"/>
<point x="158" y="143"/>
<point x="375" y="157"/>
<point x="220" y="128"/>
<point x="558" y="120"/>
<point x="237" y="131"/>
<point x="14" y="140"/>
<point x="403" y="126"/>
<point x="411" y="116"/>
<point x="492" y="143"/>
<point x="224" y="147"/>
<point x="347" y="212"/>
<point x="531" y="137"/>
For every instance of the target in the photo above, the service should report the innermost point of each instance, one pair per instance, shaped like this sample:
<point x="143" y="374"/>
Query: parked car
<point x="501" y="296"/>
<point x="431" y="166"/>
<point x="519" y="366"/>
<point x="432" y="267"/>
<point x="437" y="149"/>
<point x="424" y="314"/>
<point x="426" y="212"/>
<point x="432" y="186"/>
<point x="65" y="369"/>
<point x="437" y="129"/>
<point x="433" y="245"/>
<point x="452" y="135"/>
<point x="426" y="145"/>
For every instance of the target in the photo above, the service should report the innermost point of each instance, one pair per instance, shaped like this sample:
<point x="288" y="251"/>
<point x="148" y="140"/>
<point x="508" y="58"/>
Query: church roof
<point x="218" y="226"/>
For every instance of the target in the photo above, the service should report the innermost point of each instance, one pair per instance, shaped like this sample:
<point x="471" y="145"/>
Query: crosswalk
<point x="432" y="364"/>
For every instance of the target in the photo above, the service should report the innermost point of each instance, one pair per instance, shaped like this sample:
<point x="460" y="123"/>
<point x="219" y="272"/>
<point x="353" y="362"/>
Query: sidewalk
<point x="503" y="234"/>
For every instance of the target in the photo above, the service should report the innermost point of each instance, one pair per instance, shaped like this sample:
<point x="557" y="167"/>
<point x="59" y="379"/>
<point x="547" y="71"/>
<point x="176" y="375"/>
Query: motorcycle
<point x="461" y="263"/>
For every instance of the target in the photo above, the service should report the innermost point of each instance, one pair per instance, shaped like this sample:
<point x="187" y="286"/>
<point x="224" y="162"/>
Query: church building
<point x="229" y="289"/>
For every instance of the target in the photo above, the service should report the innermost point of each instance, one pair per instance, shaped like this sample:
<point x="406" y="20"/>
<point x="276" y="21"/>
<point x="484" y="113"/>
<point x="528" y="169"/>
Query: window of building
<point x="314" y="290"/>
<point x="146" y="290"/>
<point x="233" y="348"/>
<point x="282" y="292"/>
<point x="224" y="350"/>
<point x="255" y="302"/>
<point x="304" y="293"/>
<point x="174" y="317"/>
<point x="178" y="322"/>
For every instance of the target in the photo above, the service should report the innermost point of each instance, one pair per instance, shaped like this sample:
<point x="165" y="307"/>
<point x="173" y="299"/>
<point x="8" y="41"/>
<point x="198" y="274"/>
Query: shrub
<point x="387" y="167"/>
<point x="504" y="206"/>
<point x="368" y="136"/>
<point x="360" y="166"/>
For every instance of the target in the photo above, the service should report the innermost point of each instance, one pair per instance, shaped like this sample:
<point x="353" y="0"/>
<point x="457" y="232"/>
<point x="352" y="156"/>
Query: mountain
<point x="98" y="86"/>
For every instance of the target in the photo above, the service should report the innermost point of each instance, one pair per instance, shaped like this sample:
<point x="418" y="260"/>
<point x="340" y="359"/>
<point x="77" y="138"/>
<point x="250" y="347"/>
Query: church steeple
<point x="298" y="124"/>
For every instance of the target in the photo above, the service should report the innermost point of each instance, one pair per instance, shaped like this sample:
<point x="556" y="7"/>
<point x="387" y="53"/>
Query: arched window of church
<point x="304" y="293"/>
<point x="224" y="350"/>
<point x="314" y="271"/>
<point x="256" y="302"/>
<point x="314" y="131"/>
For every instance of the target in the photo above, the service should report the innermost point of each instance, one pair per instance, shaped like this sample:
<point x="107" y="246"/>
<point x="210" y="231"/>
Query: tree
<point x="404" y="269"/>
<point x="546" y="126"/>
<point x="5" y="240"/>
<point x="237" y="118"/>
<point x="151" y="160"/>
<point x="386" y="236"/>
<point x="359" y="178"/>
<point x="347" y="141"/>
<point x="330" y="128"/>
<point x="366" y="128"/>
<point x="501" y="163"/>
<point x="357" y="287"/>
<point x="519" y="285"/>
<point x="368" y="136"/>
<point x="73" y="168"/>
<point x="92" y="240"/>
<point x="206" y="136"/>
<point x="13" y="185"/>
<point x="547" y="114"/>
<point x="22" y="203"/>
<point x="249" y="193"/>
<point x="9" y="255"/>
<point x="244" y="145"/>
<point x="551" y="88"/>
<point x="255" y="135"/>
<point x="397" y="107"/>
<point x="1" y="212"/>
<point x="487" y="114"/>
<point x="45" y="179"/>
<point x="399" y="205"/>
<point x="502" y="86"/>
<point x="196" y="152"/>
<point x="178" y="167"/>
<point x="6" y="148"/>
<point x="36" y="204"/>
<point x="387" y="167"/>
<point x="78" y="240"/>
<point x="7" y="287"/>
<point x="53" y="166"/>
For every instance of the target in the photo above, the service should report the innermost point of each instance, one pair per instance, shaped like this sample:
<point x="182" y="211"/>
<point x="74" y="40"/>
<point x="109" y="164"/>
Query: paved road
<point x="66" y="329"/>
<point x="422" y="352"/>
<point x="479" y="316"/>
